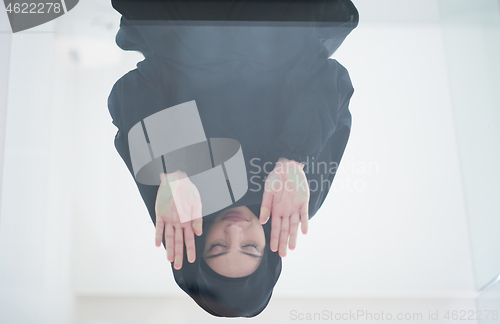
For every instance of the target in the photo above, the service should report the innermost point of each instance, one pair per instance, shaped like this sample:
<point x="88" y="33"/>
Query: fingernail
<point x="274" y="243"/>
<point x="263" y="210"/>
<point x="170" y="254"/>
<point x="190" y="255"/>
<point x="177" y="259"/>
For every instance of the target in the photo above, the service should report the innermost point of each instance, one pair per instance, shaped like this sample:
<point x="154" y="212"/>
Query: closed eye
<point x="251" y="249"/>
<point x="219" y="249"/>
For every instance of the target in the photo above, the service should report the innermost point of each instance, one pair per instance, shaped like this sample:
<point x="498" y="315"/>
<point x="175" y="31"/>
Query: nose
<point x="234" y="230"/>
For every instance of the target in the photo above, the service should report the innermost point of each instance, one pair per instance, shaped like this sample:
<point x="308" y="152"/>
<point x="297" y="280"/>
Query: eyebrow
<point x="223" y="253"/>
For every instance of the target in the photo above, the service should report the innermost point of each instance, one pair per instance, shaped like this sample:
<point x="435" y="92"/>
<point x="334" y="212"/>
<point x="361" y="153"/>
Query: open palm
<point x="178" y="216"/>
<point x="286" y="200"/>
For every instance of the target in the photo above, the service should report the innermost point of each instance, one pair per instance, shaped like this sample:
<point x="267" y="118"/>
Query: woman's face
<point x="235" y="243"/>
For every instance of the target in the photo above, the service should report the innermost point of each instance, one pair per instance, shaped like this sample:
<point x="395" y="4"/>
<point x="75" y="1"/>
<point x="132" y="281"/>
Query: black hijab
<point x="229" y="297"/>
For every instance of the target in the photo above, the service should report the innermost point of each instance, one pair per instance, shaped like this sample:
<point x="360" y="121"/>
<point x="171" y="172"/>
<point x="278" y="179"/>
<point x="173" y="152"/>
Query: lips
<point x="234" y="217"/>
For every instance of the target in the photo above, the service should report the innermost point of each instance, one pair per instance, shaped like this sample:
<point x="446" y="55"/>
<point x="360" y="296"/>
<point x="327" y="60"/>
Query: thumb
<point x="265" y="208"/>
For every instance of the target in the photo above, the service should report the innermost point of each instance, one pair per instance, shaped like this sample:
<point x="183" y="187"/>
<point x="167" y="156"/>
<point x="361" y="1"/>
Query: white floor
<point x="156" y="310"/>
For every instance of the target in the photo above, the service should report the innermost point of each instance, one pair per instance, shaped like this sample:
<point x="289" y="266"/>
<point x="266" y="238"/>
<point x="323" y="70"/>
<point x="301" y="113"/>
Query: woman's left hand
<point x="286" y="198"/>
<point x="178" y="216"/>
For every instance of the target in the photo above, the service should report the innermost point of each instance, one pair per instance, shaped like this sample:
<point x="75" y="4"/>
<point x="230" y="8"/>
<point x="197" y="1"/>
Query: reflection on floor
<point x="181" y="309"/>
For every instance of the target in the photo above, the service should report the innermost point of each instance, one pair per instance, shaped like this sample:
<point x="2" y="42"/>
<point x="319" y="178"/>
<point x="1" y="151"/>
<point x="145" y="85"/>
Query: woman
<point x="260" y="73"/>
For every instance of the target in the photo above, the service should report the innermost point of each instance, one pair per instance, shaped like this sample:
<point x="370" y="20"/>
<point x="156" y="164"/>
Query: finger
<point x="169" y="242"/>
<point x="265" y="208"/>
<point x="284" y="236"/>
<point x="197" y="223"/>
<point x="294" y="228"/>
<point x="179" y="248"/>
<point x="190" y="247"/>
<point x="304" y="218"/>
<point x="160" y="226"/>
<point x="275" y="232"/>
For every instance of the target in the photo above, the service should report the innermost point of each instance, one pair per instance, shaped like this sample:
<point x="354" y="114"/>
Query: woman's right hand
<point x="286" y="200"/>
<point x="178" y="216"/>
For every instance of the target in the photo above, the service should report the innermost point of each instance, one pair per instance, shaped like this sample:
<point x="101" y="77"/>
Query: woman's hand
<point x="286" y="197"/>
<point x="178" y="216"/>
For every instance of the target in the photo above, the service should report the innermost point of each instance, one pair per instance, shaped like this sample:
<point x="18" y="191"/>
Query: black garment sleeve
<point x="135" y="96"/>
<point x="148" y="193"/>
<point x="321" y="180"/>
<point x="338" y="19"/>
<point x="317" y="93"/>
<point x="313" y="107"/>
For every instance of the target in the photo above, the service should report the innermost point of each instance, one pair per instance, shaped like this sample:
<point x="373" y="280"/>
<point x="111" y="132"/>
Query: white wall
<point x="5" y="39"/>
<point x="403" y="233"/>
<point x="35" y="224"/>
<point x="471" y="35"/>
